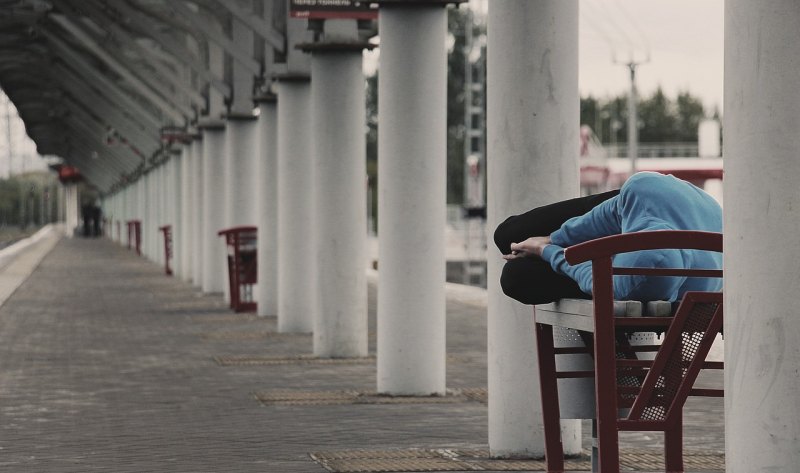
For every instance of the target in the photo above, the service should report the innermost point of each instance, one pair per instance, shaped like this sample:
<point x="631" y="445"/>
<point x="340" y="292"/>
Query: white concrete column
<point x="197" y="215"/>
<point x="61" y="209"/>
<point x="175" y="207"/>
<point x="167" y="204"/>
<point x="162" y="218"/>
<point x="267" y="208"/>
<point x="141" y="206"/>
<point x="240" y="170"/>
<point x="296" y="264"/>
<point x="71" y="208"/>
<point x="126" y="215"/>
<point x="412" y="143"/>
<point x="155" y="196"/>
<point x="147" y="212"/>
<point x="337" y="118"/>
<point x="153" y="240"/>
<point x="762" y="224"/>
<point x="119" y="213"/>
<point x="183" y="266"/>
<point x="532" y="97"/>
<point x="214" y="262"/>
<point x="239" y="176"/>
<point x="110" y="213"/>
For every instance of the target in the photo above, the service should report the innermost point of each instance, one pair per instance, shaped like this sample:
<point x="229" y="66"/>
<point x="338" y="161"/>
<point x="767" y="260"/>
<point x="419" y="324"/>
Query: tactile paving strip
<point x="199" y="304"/>
<point x="233" y="317"/>
<point x="328" y="398"/>
<point x="250" y="335"/>
<point x="476" y="394"/>
<point x="363" y="461"/>
<point x="268" y="360"/>
<point x="258" y="360"/>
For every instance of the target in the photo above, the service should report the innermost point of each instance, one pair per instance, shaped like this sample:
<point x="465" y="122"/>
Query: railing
<point x="654" y="150"/>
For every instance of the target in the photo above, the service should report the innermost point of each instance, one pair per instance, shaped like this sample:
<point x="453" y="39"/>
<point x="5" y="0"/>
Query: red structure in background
<point x="242" y="266"/>
<point x="135" y="235"/>
<point x="633" y="394"/>
<point x="67" y="174"/>
<point x="167" y="231"/>
<point x="598" y="175"/>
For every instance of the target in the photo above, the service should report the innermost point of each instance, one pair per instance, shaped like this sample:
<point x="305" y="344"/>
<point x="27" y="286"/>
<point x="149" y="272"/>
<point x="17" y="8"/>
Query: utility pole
<point x="633" y="131"/>
<point x="633" y="117"/>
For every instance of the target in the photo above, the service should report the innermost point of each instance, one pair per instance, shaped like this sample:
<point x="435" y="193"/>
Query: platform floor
<point x="106" y="364"/>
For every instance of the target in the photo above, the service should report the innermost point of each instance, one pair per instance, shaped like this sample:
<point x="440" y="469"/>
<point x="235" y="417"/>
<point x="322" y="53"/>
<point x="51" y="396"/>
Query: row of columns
<point x="304" y="187"/>
<point x="308" y="184"/>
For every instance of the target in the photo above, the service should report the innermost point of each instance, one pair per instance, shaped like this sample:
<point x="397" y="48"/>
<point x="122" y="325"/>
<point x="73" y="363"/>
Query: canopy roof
<point x="109" y="85"/>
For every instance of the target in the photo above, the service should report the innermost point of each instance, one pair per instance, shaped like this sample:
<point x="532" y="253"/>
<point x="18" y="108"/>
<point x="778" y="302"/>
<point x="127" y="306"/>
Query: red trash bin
<point x="135" y="235"/>
<point x="167" y="230"/>
<point x="242" y="266"/>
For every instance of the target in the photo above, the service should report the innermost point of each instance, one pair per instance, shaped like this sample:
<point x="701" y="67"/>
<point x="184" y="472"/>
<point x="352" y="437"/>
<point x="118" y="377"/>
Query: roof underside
<point x="99" y="82"/>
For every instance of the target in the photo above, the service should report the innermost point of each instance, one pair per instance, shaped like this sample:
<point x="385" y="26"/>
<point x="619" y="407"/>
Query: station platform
<point x="109" y="365"/>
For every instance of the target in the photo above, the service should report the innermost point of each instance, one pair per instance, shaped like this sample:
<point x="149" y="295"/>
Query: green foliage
<point x="457" y="20"/>
<point x="27" y="199"/>
<point x="661" y="119"/>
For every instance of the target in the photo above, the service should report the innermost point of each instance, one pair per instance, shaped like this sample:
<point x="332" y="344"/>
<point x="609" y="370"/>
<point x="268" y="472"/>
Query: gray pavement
<point x="109" y="365"/>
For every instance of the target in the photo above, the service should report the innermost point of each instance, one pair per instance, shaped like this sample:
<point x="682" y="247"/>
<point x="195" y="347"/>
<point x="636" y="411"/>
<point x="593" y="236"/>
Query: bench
<point x="637" y="386"/>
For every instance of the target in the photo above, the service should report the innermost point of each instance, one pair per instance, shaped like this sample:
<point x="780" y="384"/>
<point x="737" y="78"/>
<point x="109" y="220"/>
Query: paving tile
<point x="106" y="364"/>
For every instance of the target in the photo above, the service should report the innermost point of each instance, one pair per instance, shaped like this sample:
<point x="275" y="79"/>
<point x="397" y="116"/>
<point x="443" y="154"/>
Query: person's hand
<point x="533" y="246"/>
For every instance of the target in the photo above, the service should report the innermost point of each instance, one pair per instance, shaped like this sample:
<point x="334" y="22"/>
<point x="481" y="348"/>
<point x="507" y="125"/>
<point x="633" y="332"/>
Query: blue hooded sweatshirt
<point x="647" y="201"/>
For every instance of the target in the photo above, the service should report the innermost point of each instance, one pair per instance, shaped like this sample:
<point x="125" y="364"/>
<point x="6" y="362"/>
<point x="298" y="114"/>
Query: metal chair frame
<point x="652" y="391"/>
<point x="242" y="275"/>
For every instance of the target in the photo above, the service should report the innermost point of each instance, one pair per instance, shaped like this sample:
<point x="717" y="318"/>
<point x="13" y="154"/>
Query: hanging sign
<point x="321" y="9"/>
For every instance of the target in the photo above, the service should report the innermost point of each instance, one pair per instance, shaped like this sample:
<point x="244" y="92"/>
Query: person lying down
<point x="533" y="243"/>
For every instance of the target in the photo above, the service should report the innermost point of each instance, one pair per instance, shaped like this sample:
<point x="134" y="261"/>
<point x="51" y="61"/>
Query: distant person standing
<point x="97" y="218"/>
<point x="87" y="212"/>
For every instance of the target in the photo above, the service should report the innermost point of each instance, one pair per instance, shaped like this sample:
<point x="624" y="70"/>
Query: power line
<point x="588" y="20"/>
<point x="603" y="16"/>
<point x="635" y="26"/>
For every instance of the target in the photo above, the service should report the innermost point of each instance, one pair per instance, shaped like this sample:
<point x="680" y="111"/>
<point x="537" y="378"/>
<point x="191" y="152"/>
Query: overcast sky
<point x="684" y="39"/>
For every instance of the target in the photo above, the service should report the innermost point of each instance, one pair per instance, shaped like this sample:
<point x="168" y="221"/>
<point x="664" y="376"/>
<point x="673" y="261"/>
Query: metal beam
<point x="258" y="25"/>
<point x="79" y="155"/>
<point x="102" y="105"/>
<point x="209" y="30"/>
<point x="179" y="51"/>
<point x="138" y="85"/>
<point x="93" y="75"/>
<point x="165" y="73"/>
<point x="82" y="124"/>
<point x="115" y="121"/>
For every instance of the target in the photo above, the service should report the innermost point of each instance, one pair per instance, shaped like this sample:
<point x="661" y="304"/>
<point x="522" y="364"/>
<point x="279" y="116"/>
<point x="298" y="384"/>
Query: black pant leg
<point x="543" y="221"/>
<point x="532" y="280"/>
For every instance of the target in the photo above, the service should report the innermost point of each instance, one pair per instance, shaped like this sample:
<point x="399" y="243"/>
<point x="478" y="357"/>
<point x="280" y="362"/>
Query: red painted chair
<point x="634" y="394"/>
<point x="242" y="266"/>
<point x="135" y="235"/>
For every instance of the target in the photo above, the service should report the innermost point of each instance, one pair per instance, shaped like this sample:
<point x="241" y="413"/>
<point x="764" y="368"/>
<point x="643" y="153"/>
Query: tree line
<point x="660" y="118"/>
<point x="28" y="200"/>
